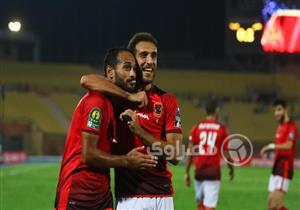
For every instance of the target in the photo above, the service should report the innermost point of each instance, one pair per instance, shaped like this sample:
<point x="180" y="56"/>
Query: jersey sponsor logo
<point x="178" y="118"/>
<point x="94" y="118"/>
<point x="144" y="116"/>
<point x="157" y="109"/>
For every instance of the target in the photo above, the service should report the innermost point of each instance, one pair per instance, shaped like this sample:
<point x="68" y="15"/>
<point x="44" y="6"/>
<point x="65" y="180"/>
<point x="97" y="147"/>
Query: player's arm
<point x="171" y="147"/>
<point x="272" y="146"/>
<point x="172" y="128"/>
<point x="174" y="140"/>
<point x="287" y="145"/>
<point x="101" y="84"/>
<point x="92" y="156"/>
<point x="187" y="179"/>
<point x="230" y="166"/>
<point x="227" y="155"/>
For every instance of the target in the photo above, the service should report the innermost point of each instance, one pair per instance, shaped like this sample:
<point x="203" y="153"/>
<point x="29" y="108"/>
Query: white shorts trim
<point x="156" y="203"/>
<point x="207" y="192"/>
<point x="278" y="183"/>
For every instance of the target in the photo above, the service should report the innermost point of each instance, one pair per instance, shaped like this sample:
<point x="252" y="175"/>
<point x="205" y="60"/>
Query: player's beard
<point x="124" y="84"/>
<point x="281" y="119"/>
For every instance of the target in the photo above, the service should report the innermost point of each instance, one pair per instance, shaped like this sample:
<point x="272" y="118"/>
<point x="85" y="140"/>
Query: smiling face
<point x="146" y="56"/>
<point x="125" y="71"/>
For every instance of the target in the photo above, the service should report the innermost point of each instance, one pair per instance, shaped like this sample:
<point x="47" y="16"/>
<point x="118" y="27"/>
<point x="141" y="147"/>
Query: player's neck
<point x="286" y="119"/>
<point x="211" y="117"/>
<point x="148" y="87"/>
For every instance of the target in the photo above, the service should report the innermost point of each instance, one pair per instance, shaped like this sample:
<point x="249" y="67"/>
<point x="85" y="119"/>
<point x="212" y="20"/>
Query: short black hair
<point x="141" y="37"/>
<point x="111" y="57"/>
<point x="281" y="102"/>
<point x="211" y="106"/>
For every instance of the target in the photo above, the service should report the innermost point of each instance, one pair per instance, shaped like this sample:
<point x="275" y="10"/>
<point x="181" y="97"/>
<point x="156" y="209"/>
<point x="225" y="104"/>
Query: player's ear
<point x="110" y="72"/>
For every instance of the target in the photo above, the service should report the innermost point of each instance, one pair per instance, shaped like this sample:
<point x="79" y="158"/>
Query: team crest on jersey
<point x="157" y="109"/>
<point x="95" y="117"/>
<point x="291" y="135"/>
<point x="178" y="118"/>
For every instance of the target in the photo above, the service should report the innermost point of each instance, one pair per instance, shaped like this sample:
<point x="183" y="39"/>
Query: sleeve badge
<point x="94" y="119"/>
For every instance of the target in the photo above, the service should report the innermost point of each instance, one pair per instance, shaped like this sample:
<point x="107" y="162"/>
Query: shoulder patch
<point x="178" y="118"/>
<point x="94" y="119"/>
<point x="291" y="135"/>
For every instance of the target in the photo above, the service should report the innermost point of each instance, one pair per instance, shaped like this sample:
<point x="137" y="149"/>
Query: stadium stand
<point x="225" y="84"/>
<point x="28" y="106"/>
<point x="66" y="101"/>
<point x="47" y="77"/>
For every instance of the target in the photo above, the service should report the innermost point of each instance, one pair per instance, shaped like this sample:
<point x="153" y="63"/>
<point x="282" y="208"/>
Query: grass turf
<point x="32" y="186"/>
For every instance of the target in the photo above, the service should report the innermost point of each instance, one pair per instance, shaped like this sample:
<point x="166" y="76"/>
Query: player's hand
<point x="133" y="124"/>
<point x="137" y="151"/>
<point x="139" y="160"/>
<point x="139" y="97"/>
<point x="187" y="179"/>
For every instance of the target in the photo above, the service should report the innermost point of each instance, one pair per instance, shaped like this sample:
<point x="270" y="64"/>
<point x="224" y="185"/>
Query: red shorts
<point x="107" y="204"/>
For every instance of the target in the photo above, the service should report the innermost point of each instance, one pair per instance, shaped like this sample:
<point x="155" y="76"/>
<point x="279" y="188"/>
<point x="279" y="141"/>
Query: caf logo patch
<point x="95" y="117"/>
<point x="157" y="109"/>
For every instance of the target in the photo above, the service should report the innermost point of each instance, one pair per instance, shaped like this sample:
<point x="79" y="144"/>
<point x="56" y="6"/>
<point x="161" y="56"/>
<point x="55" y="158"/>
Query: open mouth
<point x="148" y="70"/>
<point x="132" y="82"/>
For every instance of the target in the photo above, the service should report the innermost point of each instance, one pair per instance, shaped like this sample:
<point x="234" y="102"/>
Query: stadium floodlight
<point x="234" y="26"/>
<point x="14" y="26"/>
<point x="257" y="26"/>
<point x="241" y="35"/>
<point x="246" y="35"/>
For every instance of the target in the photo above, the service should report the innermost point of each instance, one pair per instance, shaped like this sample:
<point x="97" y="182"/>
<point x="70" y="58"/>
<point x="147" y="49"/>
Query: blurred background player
<point x="205" y="144"/>
<point x="158" y="122"/>
<point x="84" y="181"/>
<point x="285" y="149"/>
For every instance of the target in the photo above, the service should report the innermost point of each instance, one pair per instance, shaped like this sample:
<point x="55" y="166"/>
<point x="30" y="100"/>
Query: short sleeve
<point x="172" y="114"/>
<point x="92" y="111"/>
<point x="292" y="133"/>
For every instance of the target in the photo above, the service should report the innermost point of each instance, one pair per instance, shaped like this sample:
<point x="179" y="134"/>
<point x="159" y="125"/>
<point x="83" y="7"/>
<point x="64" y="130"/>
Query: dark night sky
<point x="79" y="30"/>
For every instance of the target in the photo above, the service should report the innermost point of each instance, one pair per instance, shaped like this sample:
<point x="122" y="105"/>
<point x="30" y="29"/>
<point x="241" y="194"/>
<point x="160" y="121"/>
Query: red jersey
<point x="80" y="185"/>
<point x="159" y="117"/>
<point x="207" y="137"/>
<point x="284" y="159"/>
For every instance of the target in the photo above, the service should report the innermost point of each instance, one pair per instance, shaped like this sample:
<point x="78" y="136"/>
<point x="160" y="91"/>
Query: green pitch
<point x="32" y="186"/>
